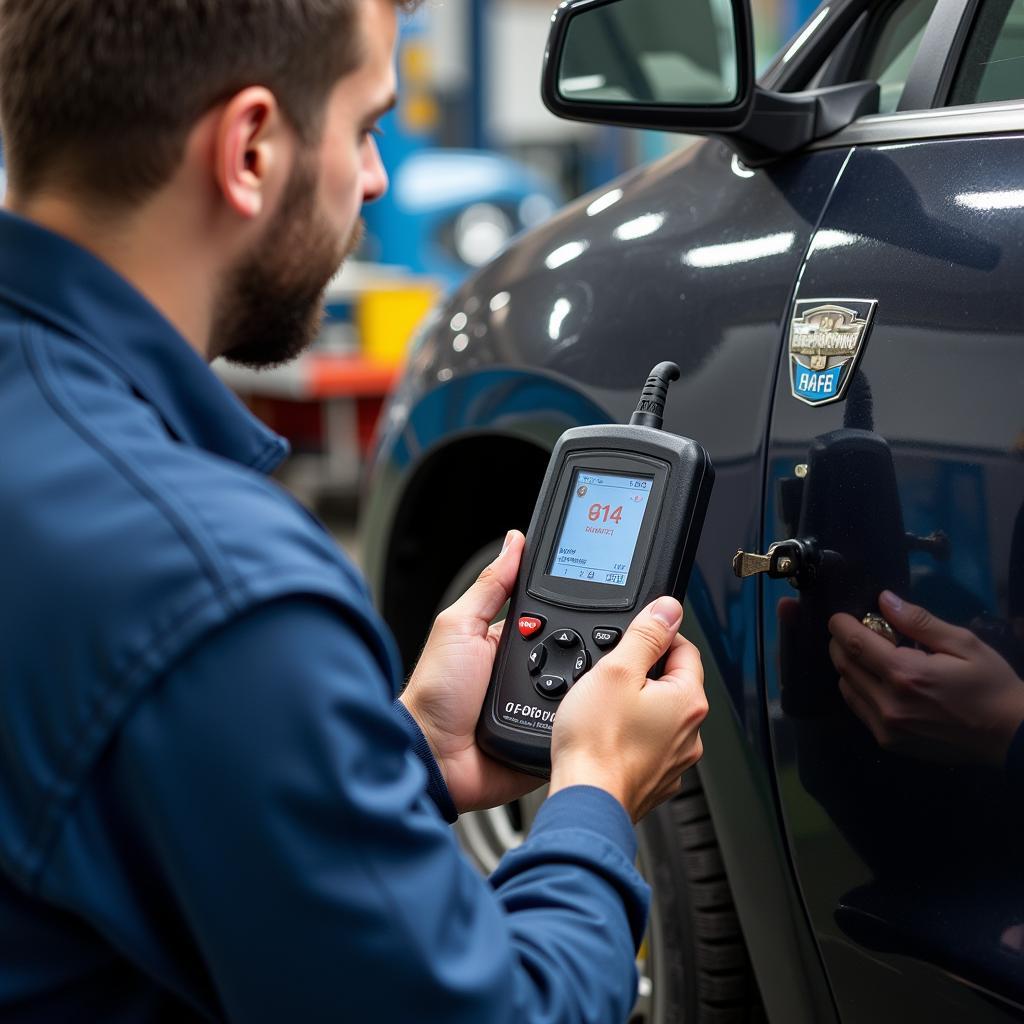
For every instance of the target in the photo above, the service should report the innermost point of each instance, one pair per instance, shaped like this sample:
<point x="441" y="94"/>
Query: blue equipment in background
<point x="448" y="211"/>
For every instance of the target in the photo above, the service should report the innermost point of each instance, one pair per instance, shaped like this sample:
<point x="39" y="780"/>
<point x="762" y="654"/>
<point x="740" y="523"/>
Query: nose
<point x="375" y="177"/>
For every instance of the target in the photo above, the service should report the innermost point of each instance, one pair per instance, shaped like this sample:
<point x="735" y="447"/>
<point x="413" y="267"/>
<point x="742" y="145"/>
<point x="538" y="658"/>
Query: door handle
<point x="799" y="561"/>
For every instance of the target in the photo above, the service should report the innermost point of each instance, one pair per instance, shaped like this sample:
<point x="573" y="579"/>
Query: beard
<point x="272" y="304"/>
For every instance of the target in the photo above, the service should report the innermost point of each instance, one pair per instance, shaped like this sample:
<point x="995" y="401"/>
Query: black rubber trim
<point x="938" y="56"/>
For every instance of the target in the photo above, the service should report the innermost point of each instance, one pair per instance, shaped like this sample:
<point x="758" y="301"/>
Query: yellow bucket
<point x="388" y="313"/>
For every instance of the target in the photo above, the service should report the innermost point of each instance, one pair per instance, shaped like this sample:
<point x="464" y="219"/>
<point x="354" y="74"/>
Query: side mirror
<point x="685" y="66"/>
<point x="678" y="65"/>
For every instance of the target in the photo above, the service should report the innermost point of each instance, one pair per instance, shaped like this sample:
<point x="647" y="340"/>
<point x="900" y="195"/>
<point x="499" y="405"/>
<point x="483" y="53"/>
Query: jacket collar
<point x="59" y="282"/>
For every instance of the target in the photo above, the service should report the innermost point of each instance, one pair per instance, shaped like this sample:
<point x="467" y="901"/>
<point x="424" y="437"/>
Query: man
<point x="210" y="807"/>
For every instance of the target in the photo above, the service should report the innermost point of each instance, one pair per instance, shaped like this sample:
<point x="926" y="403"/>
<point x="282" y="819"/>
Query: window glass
<point x="879" y="48"/>
<point x="992" y="67"/>
<point x="892" y="49"/>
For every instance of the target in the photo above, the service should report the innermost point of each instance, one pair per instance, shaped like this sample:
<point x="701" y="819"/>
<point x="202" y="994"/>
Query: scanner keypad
<point x="563" y="657"/>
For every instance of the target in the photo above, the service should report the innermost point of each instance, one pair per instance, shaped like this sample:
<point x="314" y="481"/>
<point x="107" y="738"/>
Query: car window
<point x="992" y="67"/>
<point x="880" y="47"/>
<point x="892" y="48"/>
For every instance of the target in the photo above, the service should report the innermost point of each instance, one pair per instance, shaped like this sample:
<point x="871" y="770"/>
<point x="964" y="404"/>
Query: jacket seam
<point x="48" y="380"/>
<point x="224" y="591"/>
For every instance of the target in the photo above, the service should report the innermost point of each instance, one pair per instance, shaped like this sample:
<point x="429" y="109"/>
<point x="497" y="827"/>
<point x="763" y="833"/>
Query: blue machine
<point x="448" y="211"/>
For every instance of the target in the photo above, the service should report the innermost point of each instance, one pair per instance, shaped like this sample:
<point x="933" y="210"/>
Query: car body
<point x="863" y="885"/>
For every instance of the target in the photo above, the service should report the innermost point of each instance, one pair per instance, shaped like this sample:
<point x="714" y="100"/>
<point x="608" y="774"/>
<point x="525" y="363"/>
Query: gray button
<point x="537" y="658"/>
<point x="606" y="637"/>
<point x="551" y="686"/>
<point x="580" y="665"/>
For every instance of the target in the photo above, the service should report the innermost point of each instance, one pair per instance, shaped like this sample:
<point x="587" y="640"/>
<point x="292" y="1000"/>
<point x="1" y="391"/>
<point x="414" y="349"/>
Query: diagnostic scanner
<point x="616" y="525"/>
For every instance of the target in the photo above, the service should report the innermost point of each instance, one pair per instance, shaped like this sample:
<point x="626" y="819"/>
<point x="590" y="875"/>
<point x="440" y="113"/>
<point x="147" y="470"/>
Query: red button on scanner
<point x="530" y="624"/>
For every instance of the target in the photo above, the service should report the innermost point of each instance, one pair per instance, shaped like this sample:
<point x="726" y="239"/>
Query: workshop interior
<point x="720" y="299"/>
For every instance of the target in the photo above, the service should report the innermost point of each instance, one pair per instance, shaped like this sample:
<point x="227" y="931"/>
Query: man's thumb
<point x="649" y="635"/>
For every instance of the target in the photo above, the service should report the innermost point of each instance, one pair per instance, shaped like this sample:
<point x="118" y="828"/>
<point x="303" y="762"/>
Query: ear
<point x="254" y="148"/>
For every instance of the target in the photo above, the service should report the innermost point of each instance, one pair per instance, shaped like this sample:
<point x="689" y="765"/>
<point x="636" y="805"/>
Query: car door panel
<point x="911" y="868"/>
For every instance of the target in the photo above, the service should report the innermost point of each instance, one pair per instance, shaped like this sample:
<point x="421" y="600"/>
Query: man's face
<point x="271" y="305"/>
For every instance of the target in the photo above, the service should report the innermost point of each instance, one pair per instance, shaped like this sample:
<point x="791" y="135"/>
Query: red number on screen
<point x="605" y="513"/>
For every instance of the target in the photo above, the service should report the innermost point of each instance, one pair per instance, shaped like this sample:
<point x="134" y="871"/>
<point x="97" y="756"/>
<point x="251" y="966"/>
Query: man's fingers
<point x="859" y="644"/>
<point x="871" y="699"/>
<point x="867" y="685"/>
<point x="647" y="637"/>
<point x="493" y="586"/>
<point x="919" y="624"/>
<point x="683" y="661"/>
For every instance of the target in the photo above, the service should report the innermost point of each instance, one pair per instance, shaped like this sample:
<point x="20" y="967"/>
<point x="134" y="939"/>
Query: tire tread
<point x="724" y="989"/>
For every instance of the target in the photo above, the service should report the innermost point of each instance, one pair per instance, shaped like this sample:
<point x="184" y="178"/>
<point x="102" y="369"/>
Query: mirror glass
<point x="669" y="52"/>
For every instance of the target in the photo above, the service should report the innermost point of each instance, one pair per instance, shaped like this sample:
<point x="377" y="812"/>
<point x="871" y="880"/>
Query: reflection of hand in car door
<point x="959" y="701"/>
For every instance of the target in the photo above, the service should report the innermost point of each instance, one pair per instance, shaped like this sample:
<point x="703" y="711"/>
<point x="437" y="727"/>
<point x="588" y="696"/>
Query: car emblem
<point x="826" y="337"/>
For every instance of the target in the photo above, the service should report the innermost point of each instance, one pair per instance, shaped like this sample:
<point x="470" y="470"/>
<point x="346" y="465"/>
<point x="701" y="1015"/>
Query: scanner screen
<point x="602" y="523"/>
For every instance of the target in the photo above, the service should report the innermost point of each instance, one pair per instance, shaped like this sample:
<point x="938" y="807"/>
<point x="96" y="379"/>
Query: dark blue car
<point x="838" y="269"/>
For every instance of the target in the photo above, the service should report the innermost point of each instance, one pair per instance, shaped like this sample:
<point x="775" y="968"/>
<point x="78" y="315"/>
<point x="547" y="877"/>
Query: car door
<point x="896" y="458"/>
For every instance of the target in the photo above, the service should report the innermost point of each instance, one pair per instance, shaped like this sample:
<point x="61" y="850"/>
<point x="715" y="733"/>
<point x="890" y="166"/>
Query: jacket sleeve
<point x="437" y="790"/>
<point x="273" y="824"/>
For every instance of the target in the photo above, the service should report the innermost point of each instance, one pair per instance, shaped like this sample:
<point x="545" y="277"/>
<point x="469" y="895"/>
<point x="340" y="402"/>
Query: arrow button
<point x="551" y="687"/>
<point x="581" y="665"/>
<point x="537" y="658"/>
<point x="567" y="638"/>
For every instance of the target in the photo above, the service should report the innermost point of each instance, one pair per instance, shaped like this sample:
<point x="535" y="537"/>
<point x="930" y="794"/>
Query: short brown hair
<point x="101" y="94"/>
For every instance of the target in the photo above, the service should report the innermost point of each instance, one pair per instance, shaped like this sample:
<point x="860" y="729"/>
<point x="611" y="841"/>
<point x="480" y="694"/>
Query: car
<point x="836" y="266"/>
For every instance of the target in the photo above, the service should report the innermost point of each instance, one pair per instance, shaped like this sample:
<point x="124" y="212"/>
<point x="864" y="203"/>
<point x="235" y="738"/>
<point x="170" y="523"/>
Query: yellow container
<point x="388" y="313"/>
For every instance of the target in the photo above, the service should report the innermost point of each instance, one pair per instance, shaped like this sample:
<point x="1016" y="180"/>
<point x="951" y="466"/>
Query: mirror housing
<point x="759" y="124"/>
<point x="696" y="119"/>
<point x="781" y="123"/>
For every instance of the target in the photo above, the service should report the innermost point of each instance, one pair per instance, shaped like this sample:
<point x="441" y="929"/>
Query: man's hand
<point x="446" y="691"/>
<point x="961" y="703"/>
<point x="627" y="734"/>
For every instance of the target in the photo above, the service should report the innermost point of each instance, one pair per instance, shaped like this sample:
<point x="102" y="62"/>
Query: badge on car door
<point x="825" y="340"/>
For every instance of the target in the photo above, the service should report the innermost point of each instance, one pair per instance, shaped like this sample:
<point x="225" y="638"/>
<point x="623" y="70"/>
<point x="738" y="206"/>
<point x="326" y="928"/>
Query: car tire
<point x="697" y="961"/>
<point x="693" y="963"/>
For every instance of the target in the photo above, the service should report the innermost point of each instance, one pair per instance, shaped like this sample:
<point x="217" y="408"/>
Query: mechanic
<point x="210" y="808"/>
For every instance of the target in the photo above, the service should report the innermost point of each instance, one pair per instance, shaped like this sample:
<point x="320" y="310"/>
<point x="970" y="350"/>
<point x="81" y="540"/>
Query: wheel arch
<point x="460" y="466"/>
<point x="430" y="538"/>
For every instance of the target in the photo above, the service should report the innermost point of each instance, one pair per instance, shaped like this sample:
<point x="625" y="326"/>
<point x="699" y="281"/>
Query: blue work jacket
<point x="210" y="807"/>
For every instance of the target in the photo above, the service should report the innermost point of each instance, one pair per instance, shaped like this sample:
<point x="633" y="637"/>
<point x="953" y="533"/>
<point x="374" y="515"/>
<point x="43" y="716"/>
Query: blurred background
<point x="474" y="159"/>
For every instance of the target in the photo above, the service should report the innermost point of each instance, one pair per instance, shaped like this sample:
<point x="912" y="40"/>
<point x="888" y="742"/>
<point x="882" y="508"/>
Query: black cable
<point x="650" y="410"/>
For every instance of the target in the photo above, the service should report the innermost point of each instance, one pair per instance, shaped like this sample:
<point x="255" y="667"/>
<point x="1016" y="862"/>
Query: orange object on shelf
<point x="355" y="376"/>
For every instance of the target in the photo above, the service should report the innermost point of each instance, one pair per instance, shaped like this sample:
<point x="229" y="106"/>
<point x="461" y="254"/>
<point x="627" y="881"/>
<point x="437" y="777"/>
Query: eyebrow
<point x="379" y="112"/>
